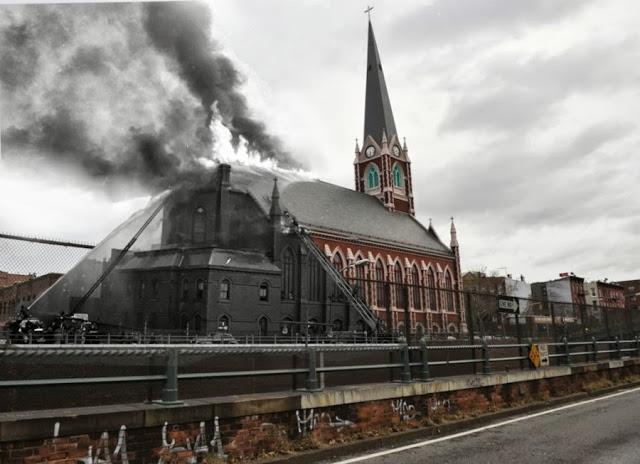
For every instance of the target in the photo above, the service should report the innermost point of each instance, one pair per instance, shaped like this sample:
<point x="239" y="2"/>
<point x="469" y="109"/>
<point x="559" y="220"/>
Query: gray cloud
<point x="502" y="110"/>
<point x="525" y="187"/>
<point x="515" y="94"/>
<point x="447" y="21"/>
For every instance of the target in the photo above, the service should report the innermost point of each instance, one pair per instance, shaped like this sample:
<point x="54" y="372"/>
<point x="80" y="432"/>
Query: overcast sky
<point x="520" y="117"/>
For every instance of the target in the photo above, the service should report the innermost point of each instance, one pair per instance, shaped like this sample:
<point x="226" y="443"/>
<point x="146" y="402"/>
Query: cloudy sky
<point x="520" y="119"/>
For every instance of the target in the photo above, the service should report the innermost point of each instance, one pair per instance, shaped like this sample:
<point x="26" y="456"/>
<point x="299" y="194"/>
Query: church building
<point x="264" y="252"/>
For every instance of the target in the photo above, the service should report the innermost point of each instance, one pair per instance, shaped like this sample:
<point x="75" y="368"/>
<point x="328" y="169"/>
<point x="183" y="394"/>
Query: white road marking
<point x="486" y="427"/>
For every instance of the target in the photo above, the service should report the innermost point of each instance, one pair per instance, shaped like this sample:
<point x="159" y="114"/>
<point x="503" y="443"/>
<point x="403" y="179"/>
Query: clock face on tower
<point x="396" y="150"/>
<point x="370" y="151"/>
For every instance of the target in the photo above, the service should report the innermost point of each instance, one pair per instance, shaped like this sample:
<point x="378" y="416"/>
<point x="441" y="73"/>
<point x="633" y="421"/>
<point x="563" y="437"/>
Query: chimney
<point x="510" y="276"/>
<point x="521" y="278"/>
<point x="223" y="208"/>
<point x="224" y="171"/>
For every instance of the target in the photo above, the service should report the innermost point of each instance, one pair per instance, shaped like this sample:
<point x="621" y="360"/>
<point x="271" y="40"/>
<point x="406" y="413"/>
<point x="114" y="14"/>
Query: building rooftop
<point x="321" y="206"/>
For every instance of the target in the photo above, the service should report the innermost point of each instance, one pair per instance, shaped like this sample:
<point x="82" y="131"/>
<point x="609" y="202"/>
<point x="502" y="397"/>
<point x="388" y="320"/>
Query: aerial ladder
<point x="365" y="312"/>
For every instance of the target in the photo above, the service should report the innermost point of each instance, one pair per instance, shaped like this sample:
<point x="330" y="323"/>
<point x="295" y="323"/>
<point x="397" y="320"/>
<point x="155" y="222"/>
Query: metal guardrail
<point x="172" y="352"/>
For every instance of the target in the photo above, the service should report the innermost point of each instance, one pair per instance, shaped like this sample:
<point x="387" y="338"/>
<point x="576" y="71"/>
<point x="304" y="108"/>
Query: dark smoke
<point x="90" y="86"/>
<point x="181" y="30"/>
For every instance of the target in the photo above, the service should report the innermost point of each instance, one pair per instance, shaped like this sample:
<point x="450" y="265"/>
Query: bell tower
<point x="382" y="166"/>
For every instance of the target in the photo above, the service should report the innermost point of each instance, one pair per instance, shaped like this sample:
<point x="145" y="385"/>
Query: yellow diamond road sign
<point x="534" y="355"/>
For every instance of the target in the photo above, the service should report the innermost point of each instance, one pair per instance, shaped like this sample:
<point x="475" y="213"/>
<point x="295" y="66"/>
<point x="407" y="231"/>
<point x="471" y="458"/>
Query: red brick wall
<point x="422" y="316"/>
<point x="267" y="435"/>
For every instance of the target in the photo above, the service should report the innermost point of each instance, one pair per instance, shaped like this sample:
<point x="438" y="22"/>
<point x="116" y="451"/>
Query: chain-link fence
<point x="411" y="305"/>
<point x="24" y="255"/>
<point x="445" y="313"/>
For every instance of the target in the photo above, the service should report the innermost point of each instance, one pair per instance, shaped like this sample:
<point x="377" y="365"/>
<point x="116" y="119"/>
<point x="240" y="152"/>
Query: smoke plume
<point x="120" y="91"/>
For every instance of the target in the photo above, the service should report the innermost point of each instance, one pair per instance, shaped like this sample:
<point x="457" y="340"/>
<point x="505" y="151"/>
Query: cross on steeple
<point x="368" y="11"/>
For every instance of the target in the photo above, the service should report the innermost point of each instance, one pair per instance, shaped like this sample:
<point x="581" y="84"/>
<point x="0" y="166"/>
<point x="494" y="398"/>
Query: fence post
<point x="311" y="383"/>
<point x="567" y="354"/>
<point x="405" y="375"/>
<point x="618" y="348"/>
<point x="424" y="360"/>
<point x="595" y="348"/>
<point x="170" y="390"/>
<point x="554" y="329"/>
<point x="519" y="339"/>
<point x="471" y="327"/>
<point x="486" y="362"/>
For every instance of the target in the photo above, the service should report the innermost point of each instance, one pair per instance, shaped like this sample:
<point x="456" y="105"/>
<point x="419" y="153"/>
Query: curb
<point x="409" y="436"/>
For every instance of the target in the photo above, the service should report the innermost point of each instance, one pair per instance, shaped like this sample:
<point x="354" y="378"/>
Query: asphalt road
<point x="606" y="431"/>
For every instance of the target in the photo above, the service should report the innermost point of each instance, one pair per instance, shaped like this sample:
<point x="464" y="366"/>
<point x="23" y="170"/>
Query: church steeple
<point x="378" y="115"/>
<point x="382" y="167"/>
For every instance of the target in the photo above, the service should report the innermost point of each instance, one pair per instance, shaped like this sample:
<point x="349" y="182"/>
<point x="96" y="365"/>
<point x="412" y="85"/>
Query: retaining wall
<point x="245" y="427"/>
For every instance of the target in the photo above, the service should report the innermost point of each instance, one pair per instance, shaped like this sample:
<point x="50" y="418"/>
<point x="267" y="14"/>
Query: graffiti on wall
<point x="404" y="410"/>
<point x="307" y="421"/>
<point x="438" y="405"/>
<point x="181" y="442"/>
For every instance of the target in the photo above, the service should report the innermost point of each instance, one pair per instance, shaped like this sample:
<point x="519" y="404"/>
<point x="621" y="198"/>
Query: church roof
<point x="377" y="112"/>
<point x="328" y="207"/>
<point x="322" y="206"/>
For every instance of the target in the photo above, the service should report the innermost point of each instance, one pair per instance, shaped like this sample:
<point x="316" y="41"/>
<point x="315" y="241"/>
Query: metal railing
<point x="414" y="363"/>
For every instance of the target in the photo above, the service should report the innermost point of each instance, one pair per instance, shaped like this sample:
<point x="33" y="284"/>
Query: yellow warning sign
<point x="534" y="355"/>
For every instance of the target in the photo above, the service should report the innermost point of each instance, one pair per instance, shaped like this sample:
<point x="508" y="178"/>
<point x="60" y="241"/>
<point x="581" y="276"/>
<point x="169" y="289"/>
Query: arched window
<point x="184" y="321"/>
<point x="263" y="326"/>
<point x="373" y="176"/>
<point x="197" y="323"/>
<point x="285" y="326"/>
<point x="337" y="325"/>
<point x="224" y="323"/>
<point x="225" y="290"/>
<point x="263" y="291"/>
<point x="360" y="325"/>
<point x="419" y="331"/>
<point x="313" y="326"/>
<point x="380" y="299"/>
<point x="398" y="176"/>
<point x="338" y="264"/>
<point x="448" y="285"/>
<point x="315" y="279"/>
<point x="431" y="289"/>
<point x="199" y="289"/>
<point x="185" y="290"/>
<point x="398" y="286"/>
<point x="199" y="225"/>
<point x="141" y="289"/>
<point x="435" y="329"/>
<point x="360" y="285"/>
<point x="415" y="287"/>
<point x="400" y="328"/>
<point x="288" y="274"/>
<point x="155" y="287"/>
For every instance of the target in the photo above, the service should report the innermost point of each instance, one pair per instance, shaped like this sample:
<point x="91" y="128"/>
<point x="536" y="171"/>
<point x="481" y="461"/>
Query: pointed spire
<point x="404" y="144"/>
<point x="357" y="147"/>
<point x="454" y="235"/>
<point x="275" y="210"/>
<point x="377" y="112"/>
<point x="385" y="142"/>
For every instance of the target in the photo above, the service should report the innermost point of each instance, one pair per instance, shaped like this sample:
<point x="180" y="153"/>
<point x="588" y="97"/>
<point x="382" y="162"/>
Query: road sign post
<point x="508" y="304"/>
